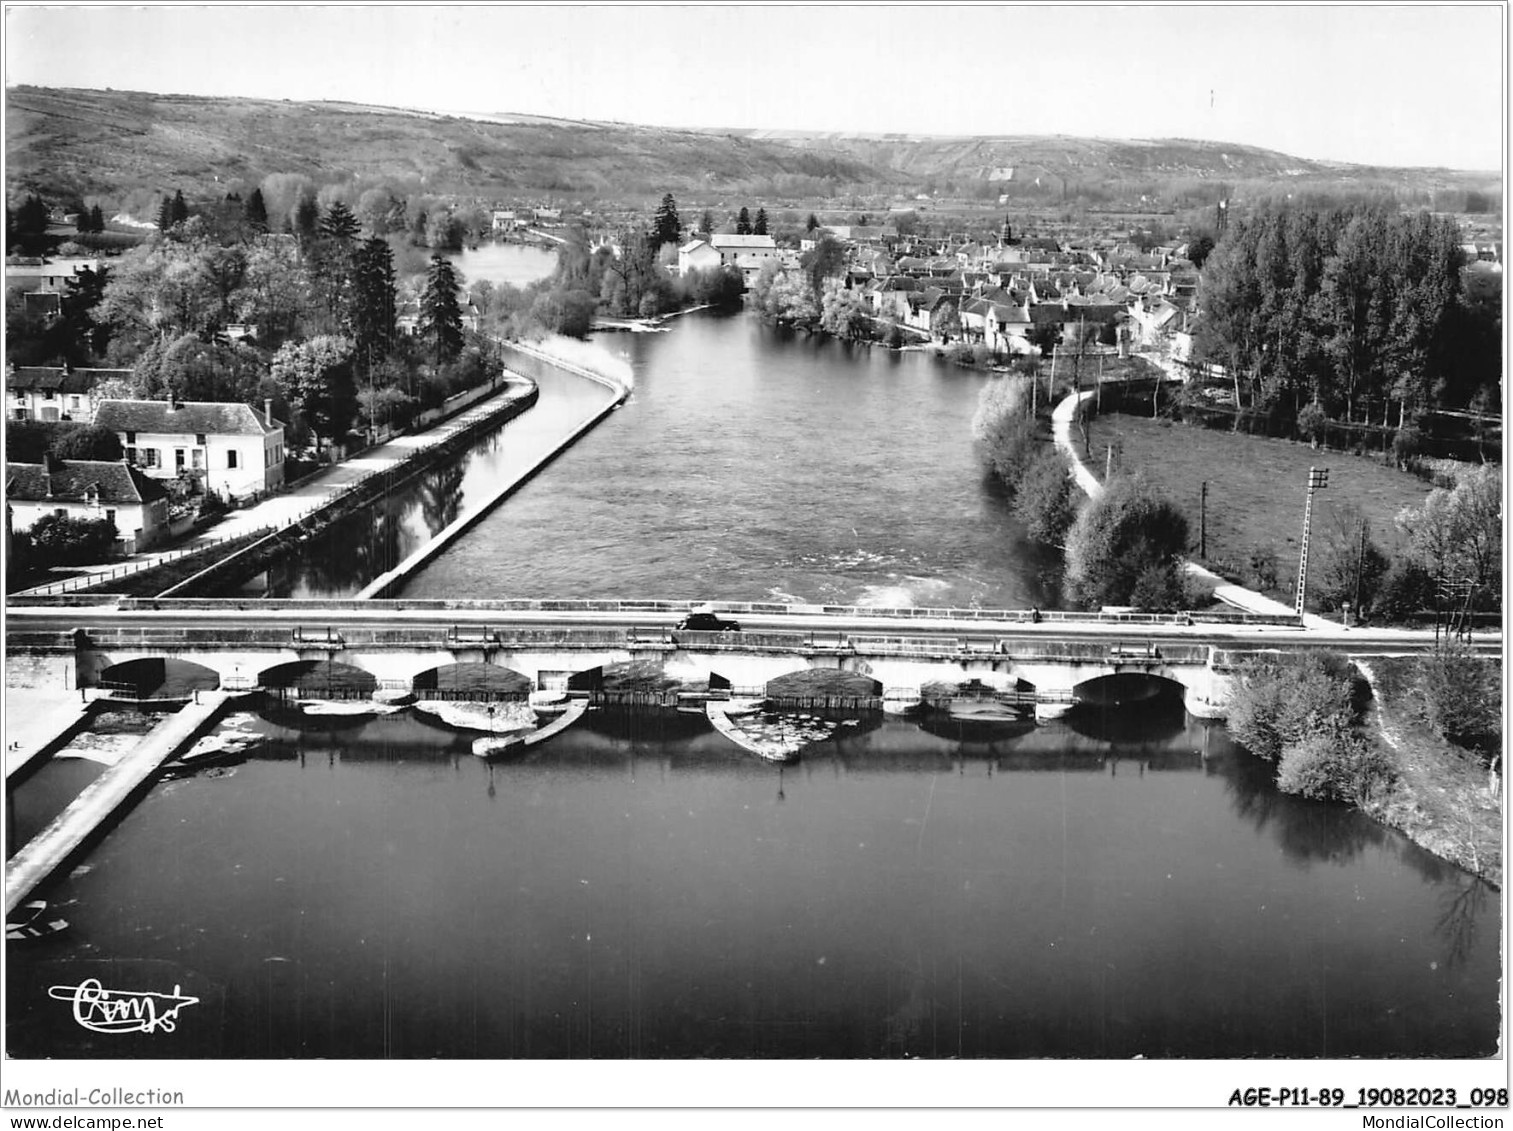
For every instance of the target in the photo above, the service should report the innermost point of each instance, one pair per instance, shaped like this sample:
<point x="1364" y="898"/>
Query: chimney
<point x="268" y="411"/>
<point x="173" y="402"/>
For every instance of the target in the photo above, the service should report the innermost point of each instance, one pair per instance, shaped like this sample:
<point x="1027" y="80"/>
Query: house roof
<point x="210" y="417"/>
<point x="692" y="246"/>
<point x="59" y="379"/>
<point x="722" y="240"/>
<point x="80" y="481"/>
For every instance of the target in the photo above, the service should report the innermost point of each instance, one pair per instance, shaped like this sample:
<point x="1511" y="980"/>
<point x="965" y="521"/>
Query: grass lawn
<point x="1256" y="488"/>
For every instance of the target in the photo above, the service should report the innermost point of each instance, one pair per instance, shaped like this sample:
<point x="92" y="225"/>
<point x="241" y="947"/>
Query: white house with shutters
<point x="235" y="452"/>
<point x="87" y="489"/>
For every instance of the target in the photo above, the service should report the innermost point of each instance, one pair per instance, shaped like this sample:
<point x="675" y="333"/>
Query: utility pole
<point x="1203" y="520"/>
<point x="1318" y="480"/>
<point x="1360" y="566"/>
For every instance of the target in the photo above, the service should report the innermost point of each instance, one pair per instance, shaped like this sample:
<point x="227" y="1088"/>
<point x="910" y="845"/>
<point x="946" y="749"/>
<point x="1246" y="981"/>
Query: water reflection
<point x="367" y="887"/>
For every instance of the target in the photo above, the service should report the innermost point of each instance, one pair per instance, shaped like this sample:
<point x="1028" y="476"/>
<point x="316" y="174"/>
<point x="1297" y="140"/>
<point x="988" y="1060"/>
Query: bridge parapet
<point x="733" y="608"/>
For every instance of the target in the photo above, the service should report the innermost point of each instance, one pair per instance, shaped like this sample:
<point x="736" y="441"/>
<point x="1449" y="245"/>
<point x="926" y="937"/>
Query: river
<point x="1116" y="884"/>
<point x="640" y="887"/>
<point x="749" y="464"/>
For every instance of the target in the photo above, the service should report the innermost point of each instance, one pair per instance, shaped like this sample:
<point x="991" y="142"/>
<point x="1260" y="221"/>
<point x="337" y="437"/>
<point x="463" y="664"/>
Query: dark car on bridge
<point x="707" y="622"/>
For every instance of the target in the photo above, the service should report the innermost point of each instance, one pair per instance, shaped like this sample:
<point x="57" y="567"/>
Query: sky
<point x="1373" y="84"/>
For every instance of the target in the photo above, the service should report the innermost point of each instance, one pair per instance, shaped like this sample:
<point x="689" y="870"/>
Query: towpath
<point x="311" y="493"/>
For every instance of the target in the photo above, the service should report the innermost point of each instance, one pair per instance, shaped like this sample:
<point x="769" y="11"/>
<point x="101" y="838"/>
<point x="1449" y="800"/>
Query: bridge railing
<point x="731" y="608"/>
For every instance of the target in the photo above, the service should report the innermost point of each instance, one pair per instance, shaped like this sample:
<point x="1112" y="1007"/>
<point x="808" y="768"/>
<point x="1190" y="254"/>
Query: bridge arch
<point x="813" y="683"/>
<point x="161" y="677"/>
<point x="1124" y="688"/>
<point x="477" y="679"/>
<point x="316" y="679"/>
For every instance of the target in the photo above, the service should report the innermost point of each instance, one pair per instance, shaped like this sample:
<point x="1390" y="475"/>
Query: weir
<point x="100" y="800"/>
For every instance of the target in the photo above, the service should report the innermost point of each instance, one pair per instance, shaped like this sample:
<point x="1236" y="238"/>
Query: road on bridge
<point x="314" y="618"/>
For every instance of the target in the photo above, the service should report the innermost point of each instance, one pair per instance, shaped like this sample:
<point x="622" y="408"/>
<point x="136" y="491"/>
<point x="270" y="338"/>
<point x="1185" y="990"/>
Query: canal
<point x="1106" y="886"/>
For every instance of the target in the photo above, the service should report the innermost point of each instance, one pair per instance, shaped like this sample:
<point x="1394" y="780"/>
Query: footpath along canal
<point x="368" y="552"/>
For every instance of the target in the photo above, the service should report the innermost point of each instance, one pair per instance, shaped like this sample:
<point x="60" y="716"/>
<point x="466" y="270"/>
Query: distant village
<point x="1015" y="295"/>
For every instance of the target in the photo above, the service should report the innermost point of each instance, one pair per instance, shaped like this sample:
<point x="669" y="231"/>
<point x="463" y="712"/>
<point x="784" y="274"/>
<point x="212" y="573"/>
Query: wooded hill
<point x="62" y="143"/>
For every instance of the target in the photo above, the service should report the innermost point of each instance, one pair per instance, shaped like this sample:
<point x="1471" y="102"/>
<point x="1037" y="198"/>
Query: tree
<point x="569" y="312"/>
<point x="306" y="220"/>
<point x="192" y="369"/>
<point x="706" y="222"/>
<point x="440" y="316"/>
<point x="339" y="224"/>
<point x="667" y="228"/>
<point x="826" y="258"/>
<point x="316" y="379"/>
<point x="255" y="211"/>
<point x="1199" y="249"/>
<point x="31" y="225"/>
<point x="82" y="293"/>
<point x="1044" y="336"/>
<point x="842" y="312"/>
<point x="373" y="302"/>
<point x="812" y="223"/>
<point x="1457" y="534"/>
<point x="1046" y="500"/>
<point x="1129" y="535"/>
<point x="179" y="211"/>
<point x="165" y="215"/>
<point x="1003" y="428"/>
<point x="381" y="211"/>
<point x="759" y="226"/>
<point x="1346" y="566"/>
<point x="743" y="222"/>
<point x="88" y="442"/>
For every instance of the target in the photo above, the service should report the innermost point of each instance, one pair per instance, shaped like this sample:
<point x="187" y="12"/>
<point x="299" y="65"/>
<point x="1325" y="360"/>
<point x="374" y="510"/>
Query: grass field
<point x="1256" y="488"/>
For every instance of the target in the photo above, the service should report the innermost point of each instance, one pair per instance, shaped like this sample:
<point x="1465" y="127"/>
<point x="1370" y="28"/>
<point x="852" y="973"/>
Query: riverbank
<point x="1444" y="800"/>
<point x="1440" y="801"/>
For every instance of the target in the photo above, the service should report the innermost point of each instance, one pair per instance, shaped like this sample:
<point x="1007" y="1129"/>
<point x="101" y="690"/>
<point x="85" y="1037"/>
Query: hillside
<point x="60" y="142"/>
<point x="85" y="141"/>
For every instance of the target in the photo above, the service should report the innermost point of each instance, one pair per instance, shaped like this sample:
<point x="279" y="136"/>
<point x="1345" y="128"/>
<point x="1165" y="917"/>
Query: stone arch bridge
<point x="1047" y="669"/>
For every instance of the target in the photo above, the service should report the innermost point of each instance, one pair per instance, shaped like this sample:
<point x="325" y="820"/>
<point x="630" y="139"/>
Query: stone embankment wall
<point x="252" y="559"/>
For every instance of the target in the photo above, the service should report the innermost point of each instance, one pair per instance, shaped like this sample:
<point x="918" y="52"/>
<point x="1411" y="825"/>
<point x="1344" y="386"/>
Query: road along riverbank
<point x="391" y="582"/>
<point x="356" y="483"/>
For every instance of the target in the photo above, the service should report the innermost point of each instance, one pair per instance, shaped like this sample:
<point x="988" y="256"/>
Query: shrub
<point x="1263" y="567"/>
<point x="1046" y="501"/>
<point x="1407" y="443"/>
<point x="1118" y="539"/>
<point x="1003" y="428"/>
<point x="1335" y="767"/>
<point x="1406" y="588"/>
<point x="1462" y="695"/>
<point x="1278" y="702"/>
<point x="1313" y="423"/>
<point x="61" y="540"/>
